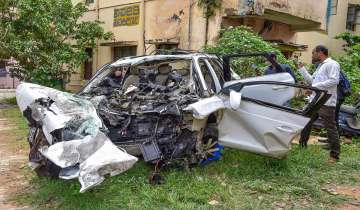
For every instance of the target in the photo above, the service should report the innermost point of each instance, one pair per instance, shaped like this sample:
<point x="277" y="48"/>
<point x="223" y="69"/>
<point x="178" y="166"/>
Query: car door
<point x="275" y="94"/>
<point x="265" y="124"/>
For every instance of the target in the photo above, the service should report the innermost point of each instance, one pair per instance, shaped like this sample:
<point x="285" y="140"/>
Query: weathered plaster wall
<point x="337" y="25"/>
<point x="171" y="20"/>
<point x="309" y="10"/>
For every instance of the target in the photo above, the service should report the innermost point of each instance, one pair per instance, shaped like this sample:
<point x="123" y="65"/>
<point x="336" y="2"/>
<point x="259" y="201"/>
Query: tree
<point x="47" y="38"/>
<point x="209" y="7"/>
<point x="242" y="39"/>
<point x="350" y="61"/>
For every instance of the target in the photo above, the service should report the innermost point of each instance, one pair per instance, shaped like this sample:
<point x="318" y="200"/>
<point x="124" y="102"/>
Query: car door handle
<point x="280" y="87"/>
<point x="286" y="129"/>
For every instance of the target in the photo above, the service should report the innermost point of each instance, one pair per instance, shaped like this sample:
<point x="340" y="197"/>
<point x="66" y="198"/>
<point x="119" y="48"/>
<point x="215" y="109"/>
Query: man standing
<point x="274" y="67"/>
<point x="326" y="77"/>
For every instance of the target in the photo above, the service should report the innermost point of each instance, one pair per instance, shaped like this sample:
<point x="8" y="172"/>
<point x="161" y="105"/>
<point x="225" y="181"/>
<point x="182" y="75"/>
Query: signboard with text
<point x="127" y="16"/>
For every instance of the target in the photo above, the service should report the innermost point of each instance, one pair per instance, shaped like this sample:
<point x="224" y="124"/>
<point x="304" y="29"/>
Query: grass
<point x="239" y="181"/>
<point x="10" y="101"/>
<point x="14" y="116"/>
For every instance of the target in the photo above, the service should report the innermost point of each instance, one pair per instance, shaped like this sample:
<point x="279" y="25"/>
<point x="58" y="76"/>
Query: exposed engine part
<point x="153" y="118"/>
<point x="69" y="134"/>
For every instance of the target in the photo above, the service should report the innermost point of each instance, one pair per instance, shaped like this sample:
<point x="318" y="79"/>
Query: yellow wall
<point x="295" y="12"/>
<point x="337" y="25"/>
<point x="182" y="22"/>
<point x="156" y="22"/>
<point x="314" y="10"/>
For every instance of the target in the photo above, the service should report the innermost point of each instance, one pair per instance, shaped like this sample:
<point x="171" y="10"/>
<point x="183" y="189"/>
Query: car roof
<point x="141" y="59"/>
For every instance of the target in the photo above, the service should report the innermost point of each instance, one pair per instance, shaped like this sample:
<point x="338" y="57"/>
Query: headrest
<point x="182" y="72"/>
<point x="164" y="69"/>
<point x="134" y="71"/>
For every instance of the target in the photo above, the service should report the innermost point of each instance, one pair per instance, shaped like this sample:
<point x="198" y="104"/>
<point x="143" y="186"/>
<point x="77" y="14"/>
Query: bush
<point x="350" y="62"/>
<point x="242" y="39"/>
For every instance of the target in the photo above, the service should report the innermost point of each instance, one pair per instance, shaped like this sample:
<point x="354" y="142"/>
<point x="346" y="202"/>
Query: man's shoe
<point x="323" y="140"/>
<point x="332" y="160"/>
<point x="347" y="141"/>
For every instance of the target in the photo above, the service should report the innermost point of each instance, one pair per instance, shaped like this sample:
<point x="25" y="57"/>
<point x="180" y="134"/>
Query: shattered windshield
<point x="109" y="77"/>
<point x="147" y="111"/>
<point x="165" y="73"/>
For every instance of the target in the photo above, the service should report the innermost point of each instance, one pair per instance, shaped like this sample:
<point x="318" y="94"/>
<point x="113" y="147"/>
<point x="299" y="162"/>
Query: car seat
<point x="132" y="79"/>
<point x="164" y="70"/>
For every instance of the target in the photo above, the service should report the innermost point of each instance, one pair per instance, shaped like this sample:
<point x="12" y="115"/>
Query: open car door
<point x="267" y="123"/>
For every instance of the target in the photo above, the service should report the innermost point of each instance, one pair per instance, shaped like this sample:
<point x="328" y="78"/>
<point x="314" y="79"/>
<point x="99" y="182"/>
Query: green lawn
<point x="239" y="181"/>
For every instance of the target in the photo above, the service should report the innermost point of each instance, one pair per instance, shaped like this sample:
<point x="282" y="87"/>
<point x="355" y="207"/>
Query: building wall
<point x="336" y="26"/>
<point x="160" y="21"/>
<point x="298" y="13"/>
<point x="182" y="22"/>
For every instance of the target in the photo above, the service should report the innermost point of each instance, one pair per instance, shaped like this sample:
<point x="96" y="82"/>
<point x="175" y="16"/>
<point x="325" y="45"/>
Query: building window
<point x="88" y="64"/>
<point x="333" y="6"/>
<point x="124" y="51"/>
<point x="353" y="16"/>
<point x="87" y="2"/>
<point x="166" y="46"/>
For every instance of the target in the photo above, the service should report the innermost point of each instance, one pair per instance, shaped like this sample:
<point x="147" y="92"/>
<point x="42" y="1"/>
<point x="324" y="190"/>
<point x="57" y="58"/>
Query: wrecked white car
<point x="170" y="109"/>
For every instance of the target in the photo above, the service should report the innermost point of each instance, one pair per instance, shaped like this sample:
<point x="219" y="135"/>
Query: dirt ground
<point x="353" y="192"/>
<point x="13" y="161"/>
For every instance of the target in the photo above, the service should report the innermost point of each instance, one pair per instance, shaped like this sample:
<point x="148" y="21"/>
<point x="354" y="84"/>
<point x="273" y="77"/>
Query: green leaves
<point x="209" y="7"/>
<point x="239" y="40"/>
<point x="350" y="62"/>
<point x="47" y="38"/>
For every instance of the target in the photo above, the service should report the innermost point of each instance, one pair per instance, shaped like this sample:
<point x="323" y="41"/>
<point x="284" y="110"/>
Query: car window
<point x="282" y="95"/>
<point x="99" y="79"/>
<point x="207" y="76"/>
<point x="218" y="70"/>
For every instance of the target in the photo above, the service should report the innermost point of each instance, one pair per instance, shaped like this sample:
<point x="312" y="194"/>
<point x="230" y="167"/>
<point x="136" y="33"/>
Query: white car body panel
<point x="260" y="129"/>
<point x="252" y="127"/>
<point x="243" y="124"/>
<point x="269" y="93"/>
<point x="95" y="153"/>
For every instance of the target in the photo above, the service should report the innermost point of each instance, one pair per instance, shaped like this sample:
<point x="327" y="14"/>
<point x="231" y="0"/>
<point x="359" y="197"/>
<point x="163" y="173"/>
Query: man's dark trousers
<point x="327" y="114"/>
<point x="337" y="110"/>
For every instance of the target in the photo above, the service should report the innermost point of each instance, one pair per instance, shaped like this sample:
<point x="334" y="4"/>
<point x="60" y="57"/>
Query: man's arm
<point x="267" y="71"/>
<point x="333" y="72"/>
<point x="305" y="74"/>
<point x="288" y="70"/>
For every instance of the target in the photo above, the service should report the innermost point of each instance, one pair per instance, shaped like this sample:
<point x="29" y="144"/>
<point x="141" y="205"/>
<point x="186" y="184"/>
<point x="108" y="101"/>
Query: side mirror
<point x="235" y="99"/>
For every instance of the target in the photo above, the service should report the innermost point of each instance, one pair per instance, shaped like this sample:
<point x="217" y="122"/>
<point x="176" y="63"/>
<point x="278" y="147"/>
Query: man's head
<point x="272" y="57"/>
<point x="319" y="54"/>
<point x="120" y="72"/>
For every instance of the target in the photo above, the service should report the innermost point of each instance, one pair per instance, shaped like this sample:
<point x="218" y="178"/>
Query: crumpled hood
<point x="74" y="135"/>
